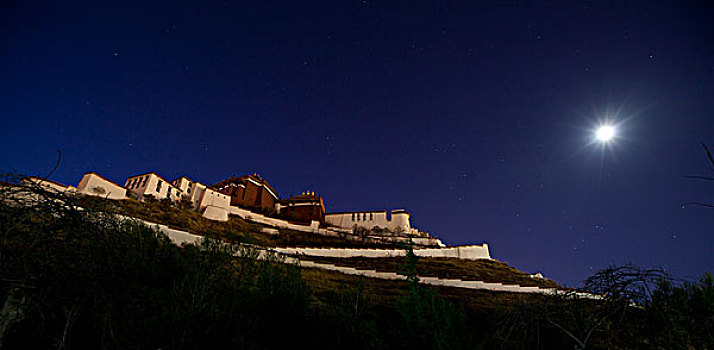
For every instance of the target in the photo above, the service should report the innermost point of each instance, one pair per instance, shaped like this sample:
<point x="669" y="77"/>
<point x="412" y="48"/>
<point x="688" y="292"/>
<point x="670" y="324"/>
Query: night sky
<point x="476" y="118"/>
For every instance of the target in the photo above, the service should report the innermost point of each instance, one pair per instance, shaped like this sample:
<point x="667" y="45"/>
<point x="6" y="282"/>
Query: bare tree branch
<point x="59" y="157"/>
<point x="700" y="204"/>
<point x="709" y="154"/>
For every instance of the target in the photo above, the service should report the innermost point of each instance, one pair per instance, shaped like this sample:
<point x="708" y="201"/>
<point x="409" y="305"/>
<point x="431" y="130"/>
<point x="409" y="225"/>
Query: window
<point x="158" y="186"/>
<point x="353" y="216"/>
<point x="371" y="216"/>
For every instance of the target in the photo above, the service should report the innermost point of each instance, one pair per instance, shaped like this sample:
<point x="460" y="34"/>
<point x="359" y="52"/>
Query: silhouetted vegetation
<point x="74" y="276"/>
<point x="638" y="309"/>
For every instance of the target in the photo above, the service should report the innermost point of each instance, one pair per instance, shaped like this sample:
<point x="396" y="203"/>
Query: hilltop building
<point x="151" y="184"/>
<point x="249" y="191"/>
<point x="94" y="184"/>
<point x="48" y="185"/>
<point x="244" y="196"/>
<point x="398" y="222"/>
<point x="306" y="207"/>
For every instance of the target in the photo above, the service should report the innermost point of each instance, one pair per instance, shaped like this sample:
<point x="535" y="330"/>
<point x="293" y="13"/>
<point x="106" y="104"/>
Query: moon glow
<point x="605" y="133"/>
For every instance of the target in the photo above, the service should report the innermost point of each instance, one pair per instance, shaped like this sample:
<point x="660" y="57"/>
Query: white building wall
<point x="215" y="213"/>
<point x="185" y="185"/>
<point x="214" y="198"/>
<point x="148" y="184"/>
<point x="368" y="220"/>
<point x="400" y="222"/>
<point x="197" y="194"/>
<point x="48" y="185"/>
<point x="470" y="252"/>
<point x="94" y="185"/>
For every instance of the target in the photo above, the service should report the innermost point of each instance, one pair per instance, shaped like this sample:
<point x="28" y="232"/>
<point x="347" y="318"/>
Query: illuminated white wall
<point x="368" y="220"/>
<point x="154" y="185"/>
<point x="95" y="185"/>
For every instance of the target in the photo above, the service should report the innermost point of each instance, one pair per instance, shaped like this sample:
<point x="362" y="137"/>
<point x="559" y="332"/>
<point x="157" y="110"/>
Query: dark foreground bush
<point x="71" y="278"/>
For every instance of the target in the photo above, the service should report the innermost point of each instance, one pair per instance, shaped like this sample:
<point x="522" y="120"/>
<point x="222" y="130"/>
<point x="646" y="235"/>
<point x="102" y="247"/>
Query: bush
<point x="77" y="278"/>
<point x="427" y="319"/>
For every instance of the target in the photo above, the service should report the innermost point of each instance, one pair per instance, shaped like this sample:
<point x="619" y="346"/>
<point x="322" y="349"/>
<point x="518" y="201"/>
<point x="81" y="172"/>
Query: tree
<point x="637" y="308"/>
<point x="427" y="319"/>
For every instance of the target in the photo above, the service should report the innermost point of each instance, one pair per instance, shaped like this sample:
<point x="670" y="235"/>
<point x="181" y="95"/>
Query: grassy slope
<point x="234" y="229"/>
<point x="473" y="270"/>
<point x="386" y="293"/>
<point x="243" y="231"/>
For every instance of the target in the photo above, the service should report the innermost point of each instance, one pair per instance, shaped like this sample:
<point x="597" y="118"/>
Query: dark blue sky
<point x="478" y="119"/>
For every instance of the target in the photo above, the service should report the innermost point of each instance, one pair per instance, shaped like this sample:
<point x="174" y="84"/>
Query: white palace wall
<point x="369" y="219"/>
<point x="49" y="185"/>
<point x="94" y="185"/>
<point x="470" y="252"/>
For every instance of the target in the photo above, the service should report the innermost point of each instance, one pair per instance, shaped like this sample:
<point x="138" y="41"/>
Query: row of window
<point x="363" y="216"/>
<point x="137" y="182"/>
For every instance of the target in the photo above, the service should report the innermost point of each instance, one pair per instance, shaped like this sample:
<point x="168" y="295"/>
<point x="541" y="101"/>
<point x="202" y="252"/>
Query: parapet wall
<point x="470" y="252"/>
<point x="215" y="213"/>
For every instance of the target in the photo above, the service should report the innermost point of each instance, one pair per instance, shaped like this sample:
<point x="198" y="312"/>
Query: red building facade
<point x="249" y="191"/>
<point x="303" y="208"/>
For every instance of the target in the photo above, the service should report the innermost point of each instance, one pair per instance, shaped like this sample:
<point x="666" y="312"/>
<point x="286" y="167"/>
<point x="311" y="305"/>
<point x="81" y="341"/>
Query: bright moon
<point x="605" y="133"/>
